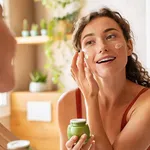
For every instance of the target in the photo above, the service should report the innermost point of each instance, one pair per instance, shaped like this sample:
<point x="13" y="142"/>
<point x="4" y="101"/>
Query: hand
<point x="80" y="145"/>
<point x="83" y="76"/>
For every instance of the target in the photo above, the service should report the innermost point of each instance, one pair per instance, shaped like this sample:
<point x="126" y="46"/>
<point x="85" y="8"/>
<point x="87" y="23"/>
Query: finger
<point x="71" y="141"/>
<point x="81" y="142"/>
<point x="72" y="74"/>
<point x="74" y="61"/>
<point x="80" y="65"/>
<point x="73" y="77"/>
<point x="88" y="72"/>
<point x="89" y="143"/>
<point x="90" y="78"/>
<point x="93" y="147"/>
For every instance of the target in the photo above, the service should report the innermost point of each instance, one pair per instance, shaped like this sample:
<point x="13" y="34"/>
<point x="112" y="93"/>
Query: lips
<point x="106" y="59"/>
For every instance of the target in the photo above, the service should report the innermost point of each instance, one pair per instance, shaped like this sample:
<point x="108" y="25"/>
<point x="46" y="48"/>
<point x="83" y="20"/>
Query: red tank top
<point x="123" y="122"/>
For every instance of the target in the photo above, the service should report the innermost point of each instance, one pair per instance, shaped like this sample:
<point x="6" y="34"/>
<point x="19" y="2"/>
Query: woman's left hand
<point x="80" y="145"/>
<point x="83" y="76"/>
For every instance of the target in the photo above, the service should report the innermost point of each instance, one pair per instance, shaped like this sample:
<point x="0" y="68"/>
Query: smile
<point x="104" y="60"/>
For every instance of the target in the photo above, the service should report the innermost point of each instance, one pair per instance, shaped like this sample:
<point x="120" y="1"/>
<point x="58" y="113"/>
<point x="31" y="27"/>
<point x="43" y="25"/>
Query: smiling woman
<point x="113" y="87"/>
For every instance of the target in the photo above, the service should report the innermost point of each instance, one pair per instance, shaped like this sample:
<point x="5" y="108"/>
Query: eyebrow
<point x="92" y="34"/>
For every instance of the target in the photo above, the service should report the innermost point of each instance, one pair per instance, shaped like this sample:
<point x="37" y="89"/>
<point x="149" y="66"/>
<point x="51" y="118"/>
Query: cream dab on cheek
<point x="86" y="56"/>
<point x="118" y="45"/>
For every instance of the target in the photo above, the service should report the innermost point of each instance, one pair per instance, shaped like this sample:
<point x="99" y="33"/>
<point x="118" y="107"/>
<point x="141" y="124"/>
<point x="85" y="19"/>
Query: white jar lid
<point x="18" y="144"/>
<point x="78" y="120"/>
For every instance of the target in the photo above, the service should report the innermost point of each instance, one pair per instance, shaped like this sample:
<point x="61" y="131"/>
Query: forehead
<point x="100" y="24"/>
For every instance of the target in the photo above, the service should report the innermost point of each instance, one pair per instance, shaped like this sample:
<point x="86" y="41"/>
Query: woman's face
<point x="105" y="47"/>
<point x="7" y="51"/>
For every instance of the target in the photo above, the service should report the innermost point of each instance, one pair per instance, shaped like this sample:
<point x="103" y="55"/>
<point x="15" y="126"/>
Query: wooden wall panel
<point x="42" y="135"/>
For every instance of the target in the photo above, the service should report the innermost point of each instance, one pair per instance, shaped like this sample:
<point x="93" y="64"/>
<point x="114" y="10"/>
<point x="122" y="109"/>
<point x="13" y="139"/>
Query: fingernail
<point x="84" y="135"/>
<point x="75" y="137"/>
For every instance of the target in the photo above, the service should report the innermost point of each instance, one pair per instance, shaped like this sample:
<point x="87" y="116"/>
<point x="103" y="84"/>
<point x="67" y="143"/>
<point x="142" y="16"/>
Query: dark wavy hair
<point x="134" y="70"/>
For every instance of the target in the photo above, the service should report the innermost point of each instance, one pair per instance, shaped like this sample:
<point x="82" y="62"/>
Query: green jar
<point x="78" y="127"/>
<point x="19" y="145"/>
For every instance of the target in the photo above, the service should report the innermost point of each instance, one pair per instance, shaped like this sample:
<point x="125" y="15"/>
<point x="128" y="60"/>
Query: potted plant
<point x="43" y="26"/>
<point x="34" y="30"/>
<point x="63" y="15"/>
<point x="25" y="31"/>
<point x="38" y="82"/>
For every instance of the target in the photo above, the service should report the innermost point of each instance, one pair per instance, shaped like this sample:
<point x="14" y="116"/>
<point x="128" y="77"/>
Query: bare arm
<point x="64" y="115"/>
<point x="136" y="134"/>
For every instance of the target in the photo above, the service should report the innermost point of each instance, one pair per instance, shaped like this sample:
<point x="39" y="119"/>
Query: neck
<point x="112" y="89"/>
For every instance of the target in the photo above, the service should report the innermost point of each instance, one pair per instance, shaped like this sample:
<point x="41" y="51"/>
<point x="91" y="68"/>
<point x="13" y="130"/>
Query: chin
<point x="6" y="86"/>
<point x="4" y="89"/>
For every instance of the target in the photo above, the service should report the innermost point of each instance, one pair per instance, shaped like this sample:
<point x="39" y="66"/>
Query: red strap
<point x="78" y="103"/>
<point x="124" y="121"/>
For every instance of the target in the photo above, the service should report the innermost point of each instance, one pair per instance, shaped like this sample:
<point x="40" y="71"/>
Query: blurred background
<point x="43" y="30"/>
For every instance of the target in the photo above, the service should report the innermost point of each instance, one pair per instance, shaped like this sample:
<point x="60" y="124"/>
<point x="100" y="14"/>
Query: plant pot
<point x="25" y="33"/>
<point x="37" y="87"/>
<point x="33" y="33"/>
<point x="43" y="32"/>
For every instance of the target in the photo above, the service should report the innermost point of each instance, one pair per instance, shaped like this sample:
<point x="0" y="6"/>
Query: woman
<point x="115" y="98"/>
<point x="7" y="52"/>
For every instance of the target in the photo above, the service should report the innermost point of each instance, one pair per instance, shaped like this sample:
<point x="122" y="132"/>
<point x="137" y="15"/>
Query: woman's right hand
<point x="83" y="76"/>
<point x="74" y="144"/>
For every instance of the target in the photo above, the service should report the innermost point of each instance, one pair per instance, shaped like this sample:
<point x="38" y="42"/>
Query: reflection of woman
<point x="7" y="50"/>
<point x="115" y="97"/>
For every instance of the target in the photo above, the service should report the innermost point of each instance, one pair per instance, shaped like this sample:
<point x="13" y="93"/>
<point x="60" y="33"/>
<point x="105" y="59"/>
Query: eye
<point x="89" y="42"/>
<point x="111" y="36"/>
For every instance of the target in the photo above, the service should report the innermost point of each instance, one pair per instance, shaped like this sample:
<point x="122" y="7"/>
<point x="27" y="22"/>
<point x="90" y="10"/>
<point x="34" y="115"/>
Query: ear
<point x="129" y="47"/>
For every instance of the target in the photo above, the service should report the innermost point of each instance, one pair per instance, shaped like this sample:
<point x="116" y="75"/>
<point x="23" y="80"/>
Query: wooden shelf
<point x="32" y="40"/>
<point x="37" y="39"/>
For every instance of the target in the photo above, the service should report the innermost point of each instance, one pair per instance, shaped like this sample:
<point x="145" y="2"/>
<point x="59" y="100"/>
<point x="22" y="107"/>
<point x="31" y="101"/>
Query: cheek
<point x="89" y="61"/>
<point x="115" y="45"/>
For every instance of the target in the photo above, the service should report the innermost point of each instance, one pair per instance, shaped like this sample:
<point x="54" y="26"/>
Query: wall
<point x="135" y="12"/>
<point x="25" y="59"/>
<point x="137" y="26"/>
<point x="148" y="32"/>
<point x="30" y="57"/>
<point x="41" y="12"/>
<point x="15" y="12"/>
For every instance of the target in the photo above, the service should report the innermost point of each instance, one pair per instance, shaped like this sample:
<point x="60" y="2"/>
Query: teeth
<point x="106" y="59"/>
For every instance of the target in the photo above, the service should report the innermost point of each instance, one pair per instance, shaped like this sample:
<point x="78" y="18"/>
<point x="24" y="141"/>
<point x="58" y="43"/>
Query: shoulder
<point x="66" y="106"/>
<point x="143" y="104"/>
<point x="66" y="97"/>
<point x="66" y="110"/>
<point x="144" y="98"/>
<point x="131" y="137"/>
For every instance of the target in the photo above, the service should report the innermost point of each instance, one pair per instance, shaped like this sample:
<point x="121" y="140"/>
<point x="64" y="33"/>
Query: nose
<point x="101" y="46"/>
